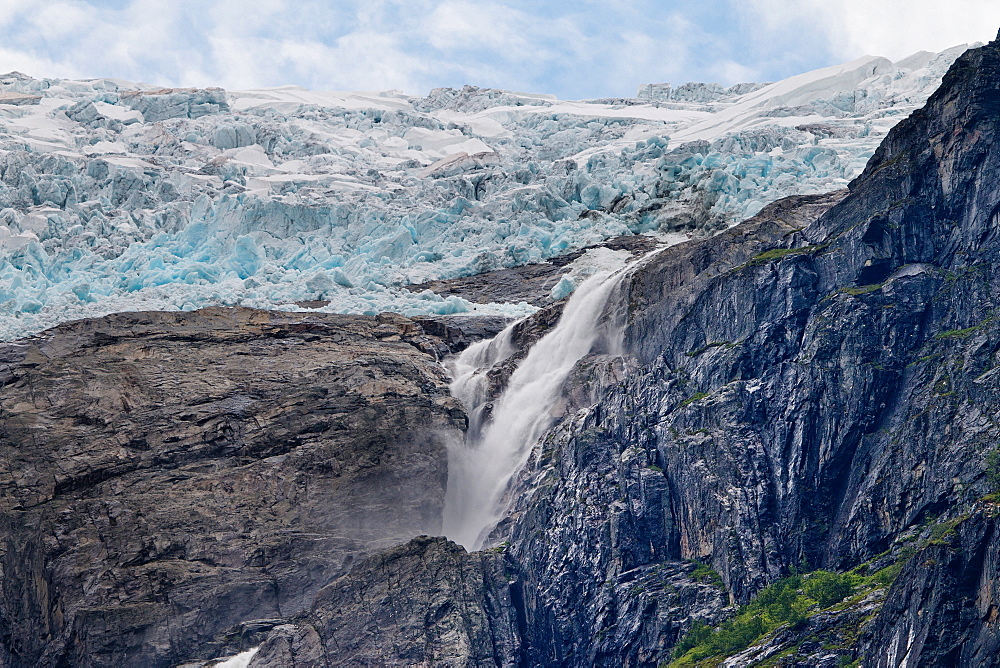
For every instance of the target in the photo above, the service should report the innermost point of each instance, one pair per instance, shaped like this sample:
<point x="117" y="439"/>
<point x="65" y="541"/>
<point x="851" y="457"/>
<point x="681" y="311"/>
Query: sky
<point x="572" y="49"/>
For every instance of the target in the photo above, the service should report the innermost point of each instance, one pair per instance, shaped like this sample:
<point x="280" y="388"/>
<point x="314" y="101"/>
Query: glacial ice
<point x="119" y="196"/>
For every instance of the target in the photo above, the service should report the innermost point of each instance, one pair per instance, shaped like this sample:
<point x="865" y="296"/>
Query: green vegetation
<point x="699" y="634"/>
<point x="968" y="331"/>
<point x="942" y="532"/>
<point x="828" y="588"/>
<point x="787" y="602"/>
<point x="958" y="333"/>
<point x="697" y="396"/>
<point x="778" y="254"/>
<point x="861" y="290"/>
<point x="780" y="604"/>
<point x="705" y="573"/>
<point x="993" y="469"/>
<point x="791" y="601"/>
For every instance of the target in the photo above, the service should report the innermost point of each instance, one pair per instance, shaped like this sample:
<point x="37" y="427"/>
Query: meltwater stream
<point x="495" y="450"/>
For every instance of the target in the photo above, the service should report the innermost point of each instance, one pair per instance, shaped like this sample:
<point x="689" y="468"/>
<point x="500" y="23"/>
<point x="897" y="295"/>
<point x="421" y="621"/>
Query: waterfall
<point x="496" y="449"/>
<point x="241" y="660"/>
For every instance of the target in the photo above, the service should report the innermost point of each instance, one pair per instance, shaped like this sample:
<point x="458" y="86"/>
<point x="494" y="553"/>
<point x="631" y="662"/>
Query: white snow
<point x="290" y="195"/>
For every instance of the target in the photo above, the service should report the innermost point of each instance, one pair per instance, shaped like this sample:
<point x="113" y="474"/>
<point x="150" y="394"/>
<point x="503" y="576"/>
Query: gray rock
<point x="167" y="476"/>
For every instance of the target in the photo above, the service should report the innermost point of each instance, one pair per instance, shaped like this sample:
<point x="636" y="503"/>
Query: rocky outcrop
<point x="458" y="332"/>
<point x="167" y="477"/>
<point x="423" y="603"/>
<point x="531" y="283"/>
<point x="945" y="606"/>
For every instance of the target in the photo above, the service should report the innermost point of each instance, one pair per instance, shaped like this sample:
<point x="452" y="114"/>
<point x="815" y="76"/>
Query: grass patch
<point x="861" y="290"/>
<point x="786" y="603"/>
<point x="967" y="332"/>
<point x="993" y="469"/>
<point x="942" y="532"/>
<point x="707" y="574"/>
<point x="697" y="396"/>
<point x="779" y="254"/>
<point x="783" y="603"/>
<point x="958" y="333"/>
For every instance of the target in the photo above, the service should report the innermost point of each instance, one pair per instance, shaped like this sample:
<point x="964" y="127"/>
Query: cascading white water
<point x="241" y="660"/>
<point x="480" y="470"/>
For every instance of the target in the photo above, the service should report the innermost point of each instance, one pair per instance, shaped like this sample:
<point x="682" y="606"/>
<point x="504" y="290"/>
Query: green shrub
<point x="697" y="396"/>
<point x="828" y="588"/>
<point x="697" y="634"/>
<point x="705" y="573"/>
<point x="775" y="606"/>
<point x="993" y="469"/>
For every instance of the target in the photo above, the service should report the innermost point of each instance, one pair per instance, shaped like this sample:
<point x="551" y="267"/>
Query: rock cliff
<point x="797" y="393"/>
<point x="171" y="477"/>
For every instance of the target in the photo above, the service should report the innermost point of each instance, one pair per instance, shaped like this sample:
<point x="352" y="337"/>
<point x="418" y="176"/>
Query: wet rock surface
<point x="458" y="332"/>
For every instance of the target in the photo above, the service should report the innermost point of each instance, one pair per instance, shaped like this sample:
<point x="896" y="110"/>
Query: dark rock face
<point x="168" y="476"/>
<point x="943" y="610"/>
<point x="421" y="603"/>
<point x="458" y="332"/>
<point x="810" y="390"/>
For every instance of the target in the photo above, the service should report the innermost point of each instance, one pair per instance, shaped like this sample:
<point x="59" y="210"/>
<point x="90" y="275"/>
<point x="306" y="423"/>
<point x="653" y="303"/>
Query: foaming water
<point x="495" y="450"/>
<point x="241" y="660"/>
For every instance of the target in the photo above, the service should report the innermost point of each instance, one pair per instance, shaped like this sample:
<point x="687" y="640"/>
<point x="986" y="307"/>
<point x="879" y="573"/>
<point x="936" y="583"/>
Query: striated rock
<point x="460" y="331"/>
<point x="167" y="476"/>
<point x="797" y="392"/>
<point x="290" y="646"/>
<point x="532" y="283"/>
<point x="423" y="603"/>
<point x="945" y="606"/>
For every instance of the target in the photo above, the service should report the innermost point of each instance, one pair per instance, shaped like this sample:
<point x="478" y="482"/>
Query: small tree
<point x="827" y="588"/>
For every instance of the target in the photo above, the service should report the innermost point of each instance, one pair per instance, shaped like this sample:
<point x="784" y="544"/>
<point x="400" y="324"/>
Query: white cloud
<point x="891" y="28"/>
<point x="584" y="48"/>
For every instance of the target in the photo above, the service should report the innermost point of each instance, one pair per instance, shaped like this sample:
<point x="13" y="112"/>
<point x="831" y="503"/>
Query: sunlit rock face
<point x="166" y="478"/>
<point x="117" y="196"/>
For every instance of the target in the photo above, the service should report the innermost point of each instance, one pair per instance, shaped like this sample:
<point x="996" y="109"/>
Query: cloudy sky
<point x="574" y="49"/>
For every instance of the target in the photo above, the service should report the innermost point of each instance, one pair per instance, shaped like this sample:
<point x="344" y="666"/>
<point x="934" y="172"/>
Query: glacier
<point x="118" y="196"/>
